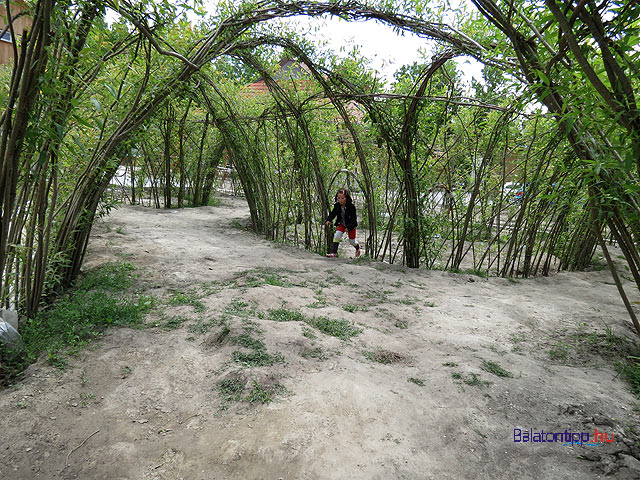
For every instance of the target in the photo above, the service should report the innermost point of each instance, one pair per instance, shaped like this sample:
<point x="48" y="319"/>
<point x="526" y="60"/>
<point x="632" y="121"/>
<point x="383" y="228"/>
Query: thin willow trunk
<point x="181" y="141"/>
<point x="199" y="181"/>
<point x="168" y="122"/>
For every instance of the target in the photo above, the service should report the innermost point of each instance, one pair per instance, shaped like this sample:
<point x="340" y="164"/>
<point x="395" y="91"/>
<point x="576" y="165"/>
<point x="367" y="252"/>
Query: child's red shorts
<point x="352" y="232"/>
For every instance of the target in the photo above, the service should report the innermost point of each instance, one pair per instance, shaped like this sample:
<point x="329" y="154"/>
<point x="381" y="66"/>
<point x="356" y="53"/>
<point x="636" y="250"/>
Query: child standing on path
<point x="344" y="211"/>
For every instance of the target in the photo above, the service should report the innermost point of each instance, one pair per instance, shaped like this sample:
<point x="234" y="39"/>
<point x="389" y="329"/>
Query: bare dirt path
<point x="405" y="398"/>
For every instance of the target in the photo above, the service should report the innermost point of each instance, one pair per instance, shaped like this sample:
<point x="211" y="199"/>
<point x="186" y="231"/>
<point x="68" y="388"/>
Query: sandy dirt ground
<point x="405" y="398"/>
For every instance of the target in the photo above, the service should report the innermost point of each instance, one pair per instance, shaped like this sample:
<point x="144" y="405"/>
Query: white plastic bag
<point x="9" y="316"/>
<point x="9" y="329"/>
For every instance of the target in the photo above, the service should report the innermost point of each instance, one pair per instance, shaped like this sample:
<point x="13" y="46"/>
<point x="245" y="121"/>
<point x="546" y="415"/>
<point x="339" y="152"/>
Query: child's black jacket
<point x="350" y="216"/>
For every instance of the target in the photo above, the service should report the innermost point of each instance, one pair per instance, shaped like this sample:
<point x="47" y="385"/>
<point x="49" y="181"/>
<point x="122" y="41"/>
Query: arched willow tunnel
<point x="445" y="179"/>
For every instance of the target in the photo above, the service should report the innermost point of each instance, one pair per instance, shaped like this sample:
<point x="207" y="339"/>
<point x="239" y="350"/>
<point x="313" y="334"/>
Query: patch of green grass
<point x="380" y="296"/>
<point x="495" y="368"/>
<point x="474" y="380"/>
<point x="202" y="325"/>
<point x="403" y="324"/>
<point x="450" y="364"/>
<point x="57" y="359"/>
<point x="97" y="302"/>
<point x="125" y="371"/>
<point x="12" y="362"/>
<point x="110" y="277"/>
<point x="259" y="394"/>
<point x="408" y="301"/>
<point x="384" y="356"/>
<point x="232" y="388"/>
<point x="364" y="258"/>
<point x="85" y="398"/>
<point x="245" y="340"/>
<point x="174" y="322"/>
<point x="559" y="352"/>
<point x="238" y="308"/>
<point x="629" y="369"/>
<point x="84" y="379"/>
<point x="517" y="337"/>
<point x="336" y="279"/>
<point x="284" y="315"/>
<point x="307" y="332"/>
<point x="258" y="277"/>
<point x="417" y="381"/>
<point x="257" y="358"/>
<point x="354" y="308"/>
<point x="212" y="201"/>
<point x="316" y="353"/>
<point x="318" y="304"/>
<point x="190" y="299"/>
<point x="341" y="329"/>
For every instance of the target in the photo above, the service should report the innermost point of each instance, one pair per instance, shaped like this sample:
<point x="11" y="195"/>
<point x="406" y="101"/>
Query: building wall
<point x="19" y="25"/>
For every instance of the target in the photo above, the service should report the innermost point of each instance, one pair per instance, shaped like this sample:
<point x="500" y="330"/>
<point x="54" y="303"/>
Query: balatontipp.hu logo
<point x="566" y="438"/>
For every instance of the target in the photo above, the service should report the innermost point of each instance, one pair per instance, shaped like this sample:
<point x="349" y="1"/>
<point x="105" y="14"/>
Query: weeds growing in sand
<point x="339" y="328"/>
<point x="364" y="258"/>
<point x="316" y="353"/>
<point x="98" y="301"/>
<point x="259" y="394"/>
<point x="172" y="323"/>
<point x="579" y="346"/>
<point x="203" y="325"/>
<point x="247" y="341"/>
<point x="321" y="303"/>
<point x="258" y="277"/>
<point x="495" y="368"/>
<point x="408" y="301"/>
<point x="417" y="381"/>
<point x="232" y="388"/>
<point x="238" y="308"/>
<point x="307" y="332"/>
<point x="472" y="379"/>
<point x="517" y="337"/>
<point x="384" y="356"/>
<point x="257" y="358"/>
<point x="349" y="307"/>
<point x="84" y="379"/>
<point x="559" y="352"/>
<point x="265" y="394"/>
<point x="284" y="315"/>
<point x="190" y="298"/>
<point x="336" y="328"/>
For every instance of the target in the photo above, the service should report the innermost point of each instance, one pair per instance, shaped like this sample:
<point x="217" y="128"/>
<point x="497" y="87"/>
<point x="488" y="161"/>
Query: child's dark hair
<point x="346" y="193"/>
